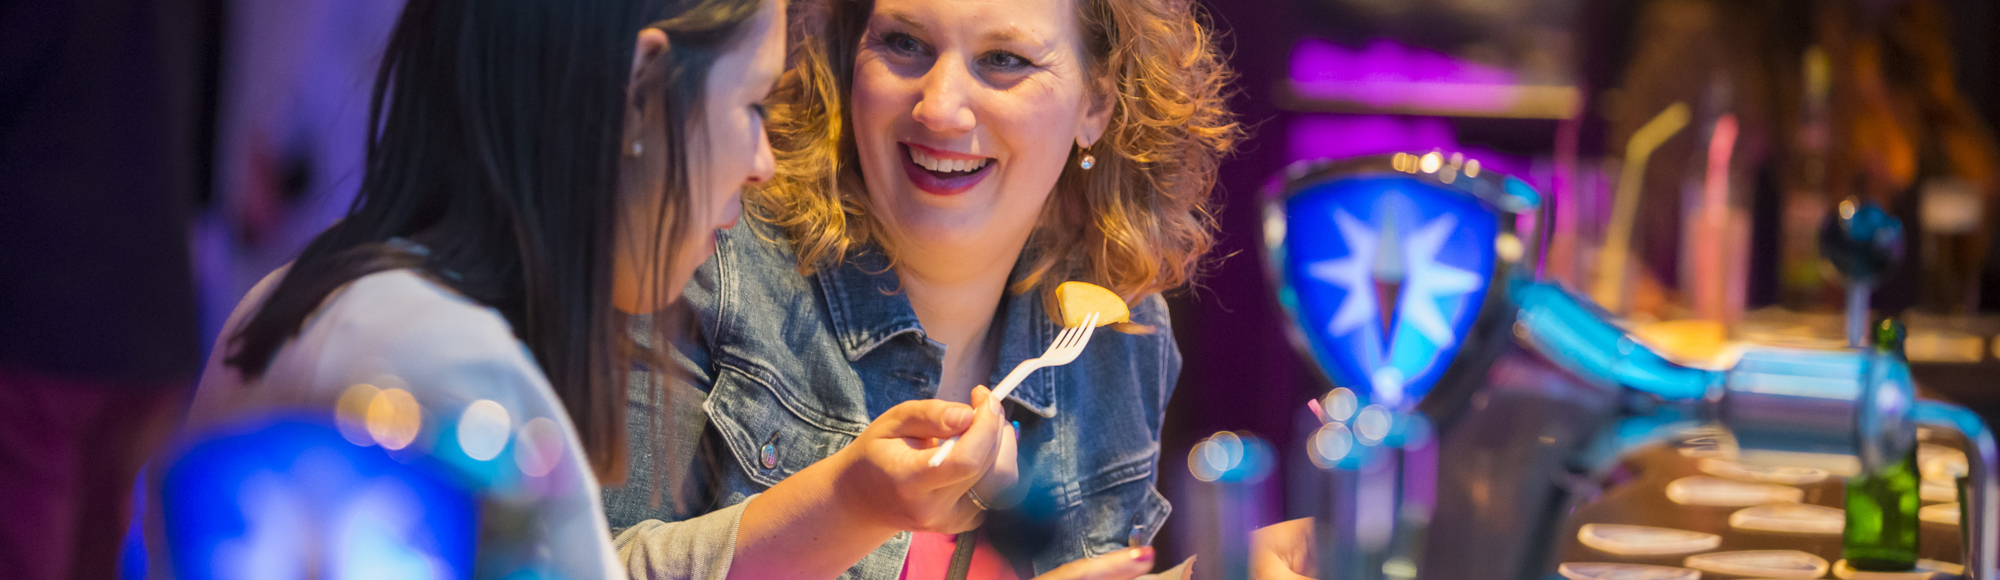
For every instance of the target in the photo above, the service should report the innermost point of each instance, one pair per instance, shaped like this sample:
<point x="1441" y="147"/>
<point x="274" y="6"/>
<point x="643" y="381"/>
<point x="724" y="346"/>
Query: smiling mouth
<point x="941" y="176"/>
<point x="947" y="168"/>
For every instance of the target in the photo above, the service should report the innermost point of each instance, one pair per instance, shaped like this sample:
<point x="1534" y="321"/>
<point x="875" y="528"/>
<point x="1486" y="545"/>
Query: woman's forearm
<point x="802" y="528"/>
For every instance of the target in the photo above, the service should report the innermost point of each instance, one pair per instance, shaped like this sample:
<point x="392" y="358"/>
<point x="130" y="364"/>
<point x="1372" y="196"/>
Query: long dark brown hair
<point x="498" y="128"/>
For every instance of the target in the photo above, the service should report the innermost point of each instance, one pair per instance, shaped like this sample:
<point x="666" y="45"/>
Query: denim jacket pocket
<point x="770" y="438"/>
<point x="1121" y="489"/>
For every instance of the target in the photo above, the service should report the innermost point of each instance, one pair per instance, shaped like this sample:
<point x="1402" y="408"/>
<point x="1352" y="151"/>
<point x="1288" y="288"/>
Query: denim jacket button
<point x="770" y="455"/>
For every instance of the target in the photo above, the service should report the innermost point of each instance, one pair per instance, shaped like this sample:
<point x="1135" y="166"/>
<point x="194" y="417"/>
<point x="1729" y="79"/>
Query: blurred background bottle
<point x="1881" y="531"/>
<point x="1802" y="282"/>
<point x="1952" y="248"/>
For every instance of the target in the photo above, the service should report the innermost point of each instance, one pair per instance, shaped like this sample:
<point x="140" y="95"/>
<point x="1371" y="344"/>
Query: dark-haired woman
<point x="540" y="169"/>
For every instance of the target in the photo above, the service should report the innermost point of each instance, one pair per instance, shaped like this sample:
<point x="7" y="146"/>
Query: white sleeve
<point x="543" y="507"/>
<point x="698" y="548"/>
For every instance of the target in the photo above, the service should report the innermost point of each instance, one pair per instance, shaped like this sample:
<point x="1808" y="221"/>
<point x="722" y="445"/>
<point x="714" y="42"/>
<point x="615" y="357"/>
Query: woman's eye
<point x="1007" y="61"/>
<point x="902" y="43"/>
<point x="763" y="113"/>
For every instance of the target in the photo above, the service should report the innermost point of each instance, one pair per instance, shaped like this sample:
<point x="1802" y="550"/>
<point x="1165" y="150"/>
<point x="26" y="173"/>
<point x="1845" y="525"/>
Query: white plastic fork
<point x="1068" y="344"/>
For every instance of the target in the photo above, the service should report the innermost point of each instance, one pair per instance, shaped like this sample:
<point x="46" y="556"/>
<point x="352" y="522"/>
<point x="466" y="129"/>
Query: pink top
<point x="930" y="559"/>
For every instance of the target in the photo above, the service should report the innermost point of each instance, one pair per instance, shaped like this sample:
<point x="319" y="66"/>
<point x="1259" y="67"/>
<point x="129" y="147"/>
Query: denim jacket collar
<point x="868" y="309"/>
<point x="865" y="300"/>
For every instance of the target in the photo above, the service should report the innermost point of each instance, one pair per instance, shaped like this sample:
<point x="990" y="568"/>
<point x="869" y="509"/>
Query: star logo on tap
<point x="1352" y="274"/>
<point x="1395" y="284"/>
<point x="1430" y="281"/>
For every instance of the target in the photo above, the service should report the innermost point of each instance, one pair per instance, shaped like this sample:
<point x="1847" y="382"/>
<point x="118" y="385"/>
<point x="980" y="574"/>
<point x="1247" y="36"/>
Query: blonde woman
<point x="942" y="166"/>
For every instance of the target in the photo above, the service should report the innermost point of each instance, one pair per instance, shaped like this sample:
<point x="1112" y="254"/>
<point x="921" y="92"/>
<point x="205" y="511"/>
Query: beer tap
<point x="1534" y="392"/>
<point x="1864" y="243"/>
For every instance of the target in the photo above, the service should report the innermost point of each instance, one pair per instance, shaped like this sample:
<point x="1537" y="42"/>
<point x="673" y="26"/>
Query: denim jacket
<point x="787" y="369"/>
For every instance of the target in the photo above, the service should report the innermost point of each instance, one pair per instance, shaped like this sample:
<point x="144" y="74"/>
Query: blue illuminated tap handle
<point x="1865" y="244"/>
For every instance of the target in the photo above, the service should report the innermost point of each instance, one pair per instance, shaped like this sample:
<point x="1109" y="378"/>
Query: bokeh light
<point x="1202" y="464"/>
<point x="538" y="447"/>
<point x="1329" y="444"/>
<point x="1509" y="247"/>
<point x="394" y="418"/>
<point x="1227" y="450"/>
<point x="350" y="413"/>
<point x="483" y="429"/>
<point x="1232" y="458"/>
<point x="1341" y="404"/>
<point x="1372" y="425"/>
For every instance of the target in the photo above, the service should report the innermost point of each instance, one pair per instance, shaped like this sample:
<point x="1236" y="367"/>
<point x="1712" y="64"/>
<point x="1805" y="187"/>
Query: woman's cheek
<point x="870" y="92"/>
<point x="1042" y="120"/>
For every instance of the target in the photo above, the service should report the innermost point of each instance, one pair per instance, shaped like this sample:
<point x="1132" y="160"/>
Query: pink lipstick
<point x="943" y="182"/>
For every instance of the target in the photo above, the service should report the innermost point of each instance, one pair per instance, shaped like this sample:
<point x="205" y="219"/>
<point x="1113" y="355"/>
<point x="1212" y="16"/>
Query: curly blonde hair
<point x="1138" y="223"/>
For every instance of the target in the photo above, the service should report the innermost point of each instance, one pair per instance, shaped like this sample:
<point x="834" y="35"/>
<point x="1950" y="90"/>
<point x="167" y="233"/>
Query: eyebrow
<point x="1011" y="34"/>
<point x="906" y="19"/>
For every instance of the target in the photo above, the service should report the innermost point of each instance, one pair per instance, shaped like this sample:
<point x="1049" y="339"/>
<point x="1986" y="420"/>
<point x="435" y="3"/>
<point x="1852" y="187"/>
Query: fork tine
<point x="1070" y="345"/>
<point x="1089" y="326"/>
<point x="1063" y="338"/>
<point x="1068" y="335"/>
<point x="1088" y="329"/>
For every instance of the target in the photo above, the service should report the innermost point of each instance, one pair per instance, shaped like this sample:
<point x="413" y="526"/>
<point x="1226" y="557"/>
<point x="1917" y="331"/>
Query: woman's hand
<point x="885" y="477"/>
<point x="998" y="489"/>
<point x="1283" y="551"/>
<point x="821" y="520"/>
<point x="1120" y="565"/>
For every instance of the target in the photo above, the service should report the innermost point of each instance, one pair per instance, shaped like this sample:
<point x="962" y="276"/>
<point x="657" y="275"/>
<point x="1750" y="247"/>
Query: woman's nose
<point x="945" y="107"/>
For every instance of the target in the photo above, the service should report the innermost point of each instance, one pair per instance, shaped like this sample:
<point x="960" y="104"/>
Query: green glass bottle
<point x="1881" y="533"/>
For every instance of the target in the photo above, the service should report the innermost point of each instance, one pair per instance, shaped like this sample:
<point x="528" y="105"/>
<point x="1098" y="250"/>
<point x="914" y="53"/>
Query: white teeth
<point x="945" y="165"/>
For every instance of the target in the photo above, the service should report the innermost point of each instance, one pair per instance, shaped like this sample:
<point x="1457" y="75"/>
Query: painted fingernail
<point x="959" y="416"/>
<point x="1143" y="553"/>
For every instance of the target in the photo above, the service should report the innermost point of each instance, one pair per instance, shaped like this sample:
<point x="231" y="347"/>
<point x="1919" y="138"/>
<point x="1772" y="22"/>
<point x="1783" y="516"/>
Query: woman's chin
<point x="956" y="244"/>
<point x="928" y="224"/>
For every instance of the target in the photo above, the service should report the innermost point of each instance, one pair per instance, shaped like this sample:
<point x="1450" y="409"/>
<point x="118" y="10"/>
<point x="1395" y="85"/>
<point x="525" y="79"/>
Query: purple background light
<point x="1388" y="74"/>
<point x="1316" y="60"/>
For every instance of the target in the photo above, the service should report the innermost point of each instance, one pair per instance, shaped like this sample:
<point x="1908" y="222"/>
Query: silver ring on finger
<point x="976" y="502"/>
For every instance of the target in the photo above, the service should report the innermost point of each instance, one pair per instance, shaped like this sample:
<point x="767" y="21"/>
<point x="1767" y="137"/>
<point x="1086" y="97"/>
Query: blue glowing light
<point x="292" y="498"/>
<point x="1386" y="276"/>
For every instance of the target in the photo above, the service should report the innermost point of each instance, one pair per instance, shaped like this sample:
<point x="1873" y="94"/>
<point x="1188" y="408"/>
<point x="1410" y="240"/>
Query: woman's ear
<point x="652" y="44"/>
<point x="1097" y="116"/>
